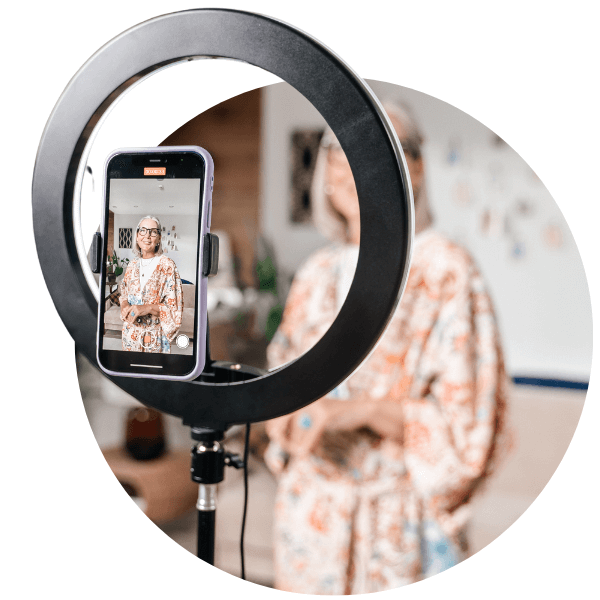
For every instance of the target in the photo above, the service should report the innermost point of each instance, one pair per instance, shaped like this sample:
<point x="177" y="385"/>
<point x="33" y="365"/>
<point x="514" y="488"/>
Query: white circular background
<point x="525" y="70"/>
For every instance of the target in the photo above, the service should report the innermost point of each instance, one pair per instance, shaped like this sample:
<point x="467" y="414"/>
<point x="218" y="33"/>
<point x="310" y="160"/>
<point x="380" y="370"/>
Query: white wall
<point x="542" y="299"/>
<point x="283" y="111"/>
<point x="187" y="233"/>
<point x="153" y="109"/>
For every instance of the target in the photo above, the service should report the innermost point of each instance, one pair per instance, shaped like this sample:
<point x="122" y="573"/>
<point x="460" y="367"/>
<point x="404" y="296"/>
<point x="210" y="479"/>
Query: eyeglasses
<point x="153" y="232"/>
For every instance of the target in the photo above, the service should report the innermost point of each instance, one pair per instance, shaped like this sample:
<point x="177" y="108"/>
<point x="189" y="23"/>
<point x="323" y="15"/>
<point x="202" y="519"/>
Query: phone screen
<point x="151" y="277"/>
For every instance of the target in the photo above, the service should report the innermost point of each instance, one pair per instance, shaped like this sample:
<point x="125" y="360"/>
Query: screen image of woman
<point x="151" y="296"/>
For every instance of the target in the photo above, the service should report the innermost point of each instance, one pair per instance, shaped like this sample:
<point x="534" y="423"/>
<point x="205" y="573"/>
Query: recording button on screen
<point x="182" y="341"/>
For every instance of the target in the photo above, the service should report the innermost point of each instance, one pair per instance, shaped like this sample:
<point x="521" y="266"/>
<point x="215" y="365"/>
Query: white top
<point x="147" y="266"/>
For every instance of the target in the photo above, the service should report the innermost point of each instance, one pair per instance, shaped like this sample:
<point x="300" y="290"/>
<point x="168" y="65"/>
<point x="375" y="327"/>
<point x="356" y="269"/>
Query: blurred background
<point x="483" y="195"/>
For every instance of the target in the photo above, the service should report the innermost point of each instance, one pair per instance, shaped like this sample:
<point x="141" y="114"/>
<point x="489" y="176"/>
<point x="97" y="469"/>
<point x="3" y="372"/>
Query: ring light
<point x="363" y="130"/>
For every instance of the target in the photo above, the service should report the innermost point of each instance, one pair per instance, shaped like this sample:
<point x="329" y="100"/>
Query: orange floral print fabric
<point x="148" y="333"/>
<point x="364" y="513"/>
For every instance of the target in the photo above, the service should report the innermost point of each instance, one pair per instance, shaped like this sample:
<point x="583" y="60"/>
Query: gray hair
<point x="325" y="217"/>
<point x="158" y="249"/>
<point x="413" y="138"/>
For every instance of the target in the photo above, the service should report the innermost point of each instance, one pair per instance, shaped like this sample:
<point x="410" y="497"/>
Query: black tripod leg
<point x="207" y="511"/>
<point x="206" y="535"/>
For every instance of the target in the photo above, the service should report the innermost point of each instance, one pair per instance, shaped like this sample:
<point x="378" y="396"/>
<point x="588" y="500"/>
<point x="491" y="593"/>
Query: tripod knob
<point x="234" y="460"/>
<point x="208" y="463"/>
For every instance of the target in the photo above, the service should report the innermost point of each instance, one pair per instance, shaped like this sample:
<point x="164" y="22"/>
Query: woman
<point x="151" y="296"/>
<point x="375" y="479"/>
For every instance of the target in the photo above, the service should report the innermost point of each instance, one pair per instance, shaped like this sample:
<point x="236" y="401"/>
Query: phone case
<point x="201" y="312"/>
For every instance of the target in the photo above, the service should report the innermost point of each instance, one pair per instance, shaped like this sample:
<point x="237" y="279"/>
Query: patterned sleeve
<point x="451" y="433"/>
<point x="281" y="349"/>
<point x="171" y="302"/>
<point x="301" y="325"/>
<point x="124" y="287"/>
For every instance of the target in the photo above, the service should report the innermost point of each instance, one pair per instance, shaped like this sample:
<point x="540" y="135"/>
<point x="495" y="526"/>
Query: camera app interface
<point x="151" y="262"/>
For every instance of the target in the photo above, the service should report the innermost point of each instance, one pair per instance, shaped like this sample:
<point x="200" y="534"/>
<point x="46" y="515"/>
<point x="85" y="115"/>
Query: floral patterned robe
<point x="163" y="288"/>
<point x="362" y="513"/>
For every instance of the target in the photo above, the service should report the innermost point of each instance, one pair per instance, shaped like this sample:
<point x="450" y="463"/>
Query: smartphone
<point x="153" y="276"/>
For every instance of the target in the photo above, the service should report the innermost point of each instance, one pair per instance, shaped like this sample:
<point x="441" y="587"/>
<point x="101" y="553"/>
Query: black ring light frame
<point x="370" y="144"/>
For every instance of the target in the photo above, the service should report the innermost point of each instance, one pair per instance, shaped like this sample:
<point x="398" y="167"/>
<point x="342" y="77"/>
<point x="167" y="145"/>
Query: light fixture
<point x="364" y="132"/>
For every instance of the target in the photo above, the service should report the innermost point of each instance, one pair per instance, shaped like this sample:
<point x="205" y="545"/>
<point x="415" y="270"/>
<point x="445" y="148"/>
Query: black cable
<point x="246" y="448"/>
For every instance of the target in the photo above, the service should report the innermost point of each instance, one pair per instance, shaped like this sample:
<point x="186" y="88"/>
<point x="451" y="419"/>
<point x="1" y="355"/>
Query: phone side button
<point x="209" y="219"/>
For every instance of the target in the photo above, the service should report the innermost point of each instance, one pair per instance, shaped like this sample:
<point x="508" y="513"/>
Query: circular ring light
<point x="363" y="130"/>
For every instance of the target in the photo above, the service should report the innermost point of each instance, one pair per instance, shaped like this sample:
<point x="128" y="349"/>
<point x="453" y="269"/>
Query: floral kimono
<point x="148" y="333"/>
<point x="364" y="513"/>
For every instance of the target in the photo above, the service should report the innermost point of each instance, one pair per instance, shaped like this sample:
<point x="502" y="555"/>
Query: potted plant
<point x="115" y="267"/>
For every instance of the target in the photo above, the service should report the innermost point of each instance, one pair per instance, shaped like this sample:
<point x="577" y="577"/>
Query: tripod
<point x="209" y="459"/>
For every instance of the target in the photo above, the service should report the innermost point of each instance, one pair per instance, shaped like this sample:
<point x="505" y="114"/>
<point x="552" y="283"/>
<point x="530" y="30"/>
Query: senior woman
<point x="374" y="480"/>
<point x="151" y="296"/>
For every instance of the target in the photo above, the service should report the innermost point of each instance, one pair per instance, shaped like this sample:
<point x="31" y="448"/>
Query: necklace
<point x="148" y="263"/>
<point x="144" y="271"/>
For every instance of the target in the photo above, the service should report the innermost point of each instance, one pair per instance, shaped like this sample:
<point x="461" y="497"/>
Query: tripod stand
<point x="209" y="459"/>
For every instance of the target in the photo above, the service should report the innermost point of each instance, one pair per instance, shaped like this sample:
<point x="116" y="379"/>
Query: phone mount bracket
<point x="96" y="252"/>
<point x="210" y="255"/>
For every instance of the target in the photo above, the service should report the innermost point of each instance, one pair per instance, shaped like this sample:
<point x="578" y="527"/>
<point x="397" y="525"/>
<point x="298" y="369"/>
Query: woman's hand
<point x="300" y="432"/>
<point x="139" y="310"/>
<point x="125" y="310"/>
